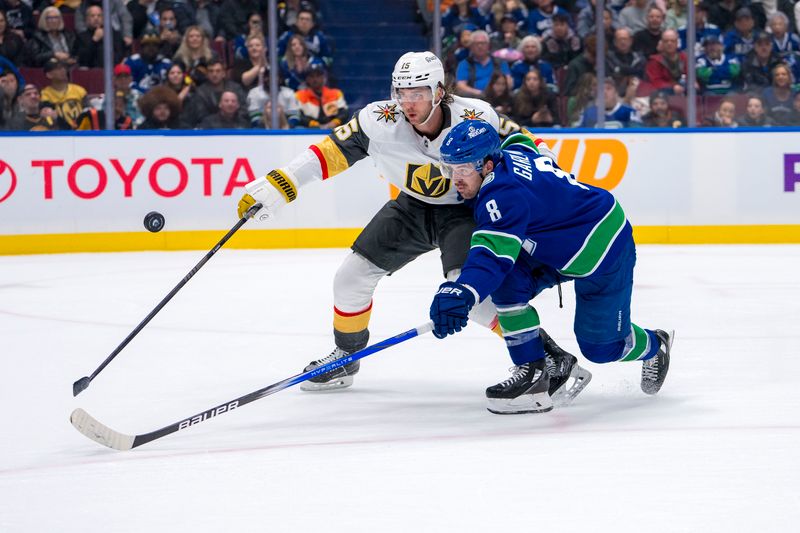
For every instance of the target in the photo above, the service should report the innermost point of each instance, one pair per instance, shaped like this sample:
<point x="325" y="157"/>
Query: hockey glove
<point x="450" y="308"/>
<point x="272" y="191"/>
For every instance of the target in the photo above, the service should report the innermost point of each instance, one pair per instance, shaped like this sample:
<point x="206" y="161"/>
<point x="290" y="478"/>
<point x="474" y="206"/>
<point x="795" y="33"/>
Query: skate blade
<point x="579" y="378"/>
<point x="526" y="403"/>
<point x="334" y="384"/>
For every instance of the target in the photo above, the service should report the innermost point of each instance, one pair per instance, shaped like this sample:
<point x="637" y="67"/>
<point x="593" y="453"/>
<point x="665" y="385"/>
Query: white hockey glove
<point x="272" y="191"/>
<point x="546" y="151"/>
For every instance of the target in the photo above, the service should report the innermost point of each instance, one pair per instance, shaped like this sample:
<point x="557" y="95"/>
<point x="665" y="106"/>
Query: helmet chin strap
<point x="430" y="115"/>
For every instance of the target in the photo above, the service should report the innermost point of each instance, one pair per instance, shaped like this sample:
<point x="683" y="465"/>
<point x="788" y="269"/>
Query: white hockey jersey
<point x="408" y="160"/>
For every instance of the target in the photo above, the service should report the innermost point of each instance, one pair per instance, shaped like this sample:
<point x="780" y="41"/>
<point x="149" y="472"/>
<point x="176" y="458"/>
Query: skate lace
<point x="337" y="353"/>
<point x="650" y="369"/>
<point x="517" y="373"/>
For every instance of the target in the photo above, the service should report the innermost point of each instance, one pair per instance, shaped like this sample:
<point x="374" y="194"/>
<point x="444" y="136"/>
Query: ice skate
<point x="338" y="378"/>
<point x="654" y="370"/>
<point x="567" y="377"/>
<point x="526" y="391"/>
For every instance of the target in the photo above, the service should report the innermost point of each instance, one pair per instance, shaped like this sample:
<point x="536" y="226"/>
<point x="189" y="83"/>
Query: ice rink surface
<point x="410" y="447"/>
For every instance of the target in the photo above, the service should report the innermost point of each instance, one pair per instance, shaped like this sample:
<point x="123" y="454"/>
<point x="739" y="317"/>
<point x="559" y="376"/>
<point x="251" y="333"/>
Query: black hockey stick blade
<point x="80" y="385"/>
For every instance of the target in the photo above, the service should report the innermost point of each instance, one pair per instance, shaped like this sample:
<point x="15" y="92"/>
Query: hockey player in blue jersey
<point x="538" y="226"/>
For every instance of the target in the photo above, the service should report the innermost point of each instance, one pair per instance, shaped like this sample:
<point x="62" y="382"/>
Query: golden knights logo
<point x="426" y="180"/>
<point x="471" y="114"/>
<point x="387" y="112"/>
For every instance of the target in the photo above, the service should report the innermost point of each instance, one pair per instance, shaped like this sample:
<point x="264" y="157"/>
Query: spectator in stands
<point x="121" y="20"/>
<point x="161" y="109"/>
<point x="143" y="16"/>
<point x="622" y="62"/>
<point x="228" y="115"/>
<point x="148" y="68"/>
<point x="473" y="74"/>
<point x="207" y="15"/>
<point x="68" y="98"/>
<point x="778" y="97"/>
<point x="498" y="93"/>
<point x="234" y="14"/>
<point x="288" y="11"/>
<point x="206" y="97"/>
<point x="586" y="23"/>
<point x="667" y="70"/>
<point x="30" y="118"/>
<point x="179" y="81"/>
<point x="758" y="64"/>
<point x="755" y="115"/>
<point x="49" y="111"/>
<point x="168" y="31"/>
<point x="724" y="116"/>
<point x="717" y="73"/>
<point x="195" y="53"/>
<point x="541" y="19"/>
<point x="514" y="8"/>
<point x="585" y="94"/>
<point x="561" y="45"/>
<point x="320" y="106"/>
<point x="534" y="105"/>
<point x="645" y="41"/>
<point x="457" y="50"/>
<point x="12" y="46"/>
<point x="247" y="71"/>
<point x="740" y="40"/>
<point x="634" y="15"/>
<point x="259" y="105"/>
<point x="584" y="63"/>
<point x="316" y="42"/>
<point x="618" y="115"/>
<point x="255" y="27"/>
<point x="51" y="40"/>
<point x="506" y="40"/>
<point x="10" y="87"/>
<point x="531" y="49"/>
<point x="123" y="84"/>
<point x="88" y="47"/>
<point x="722" y="13"/>
<point x="93" y="118"/>
<point x="676" y="14"/>
<point x="660" y="114"/>
<point x="296" y="63"/>
<point x="19" y="17"/>
<point x="461" y="12"/>
<point x="702" y="29"/>
<point x="784" y="42"/>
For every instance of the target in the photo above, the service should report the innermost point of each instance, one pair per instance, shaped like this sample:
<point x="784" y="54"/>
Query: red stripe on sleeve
<point x="322" y="161"/>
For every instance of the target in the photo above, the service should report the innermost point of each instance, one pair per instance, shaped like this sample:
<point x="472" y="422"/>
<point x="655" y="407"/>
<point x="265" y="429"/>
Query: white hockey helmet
<point x="417" y="69"/>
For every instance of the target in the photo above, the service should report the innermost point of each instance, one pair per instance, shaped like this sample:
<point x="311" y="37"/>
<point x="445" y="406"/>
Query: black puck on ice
<point x="154" y="221"/>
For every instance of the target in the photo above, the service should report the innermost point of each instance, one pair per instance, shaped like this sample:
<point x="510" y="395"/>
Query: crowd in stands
<point x="535" y="60"/>
<point x="178" y="64"/>
<point x="204" y="63"/>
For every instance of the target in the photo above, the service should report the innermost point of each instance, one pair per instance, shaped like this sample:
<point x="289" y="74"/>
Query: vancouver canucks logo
<point x="387" y="112"/>
<point x="471" y="114"/>
<point x="426" y="180"/>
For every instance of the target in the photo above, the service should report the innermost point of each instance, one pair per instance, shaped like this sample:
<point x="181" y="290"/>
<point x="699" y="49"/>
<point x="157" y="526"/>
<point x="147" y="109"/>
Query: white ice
<point x="410" y="447"/>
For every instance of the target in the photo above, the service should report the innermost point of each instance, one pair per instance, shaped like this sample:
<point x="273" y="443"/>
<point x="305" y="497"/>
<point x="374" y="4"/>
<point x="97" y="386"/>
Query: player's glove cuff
<point x="450" y="308"/>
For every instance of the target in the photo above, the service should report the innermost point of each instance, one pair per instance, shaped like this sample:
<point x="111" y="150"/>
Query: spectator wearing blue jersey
<point x="717" y="72"/>
<point x="757" y="65"/>
<point x="541" y="19"/>
<point x="462" y="12"/>
<point x="255" y="27"/>
<point x="531" y="49"/>
<point x="148" y="68"/>
<point x="560" y="44"/>
<point x="778" y="97"/>
<point x="618" y="115"/>
<point x="703" y="28"/>
<point x="473" y="74"/>
<point x="784" y="42"/>
<point x="537" y="226"/>
<point x="739" y="41"/>
<point x="296" y="63"/>
<point x="305" y="27"/>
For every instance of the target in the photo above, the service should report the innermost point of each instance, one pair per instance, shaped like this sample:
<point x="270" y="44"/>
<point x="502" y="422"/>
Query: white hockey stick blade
<point x="99" y="432"/>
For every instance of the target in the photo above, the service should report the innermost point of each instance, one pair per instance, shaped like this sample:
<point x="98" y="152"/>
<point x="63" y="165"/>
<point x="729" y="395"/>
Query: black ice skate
<point x="654" y="370"/>
<point x="338" y="378"/>
<point x="567" y="377"/>
<point x="526" y="391"/>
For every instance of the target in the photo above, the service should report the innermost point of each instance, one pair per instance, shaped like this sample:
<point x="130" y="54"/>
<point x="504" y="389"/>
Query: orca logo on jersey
<point x="426" y="180"/>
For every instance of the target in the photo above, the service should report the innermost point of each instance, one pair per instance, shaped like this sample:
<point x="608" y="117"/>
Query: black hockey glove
<point x="450" y="308"/>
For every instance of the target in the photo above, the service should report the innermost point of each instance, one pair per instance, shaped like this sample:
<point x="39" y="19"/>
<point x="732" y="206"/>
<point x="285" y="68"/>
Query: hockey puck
<point x="154" y="221"/>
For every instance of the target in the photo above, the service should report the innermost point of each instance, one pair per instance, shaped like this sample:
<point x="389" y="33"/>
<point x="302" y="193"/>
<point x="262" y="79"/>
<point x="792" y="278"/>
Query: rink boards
<point x="90" y="192"/>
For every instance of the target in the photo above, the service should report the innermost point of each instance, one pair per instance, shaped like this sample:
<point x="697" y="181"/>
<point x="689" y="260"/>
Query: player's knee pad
<point x="354" y="283"/>
<point x="483" y="313"/>
<point x="602" y="353"/>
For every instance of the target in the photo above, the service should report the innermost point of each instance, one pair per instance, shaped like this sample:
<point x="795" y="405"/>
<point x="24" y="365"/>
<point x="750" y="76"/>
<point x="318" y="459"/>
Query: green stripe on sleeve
<point x="640" y="346"/>
<point x="518" y="321"/>
<point x="503" y="245"/>
<point x="597" y="244"/>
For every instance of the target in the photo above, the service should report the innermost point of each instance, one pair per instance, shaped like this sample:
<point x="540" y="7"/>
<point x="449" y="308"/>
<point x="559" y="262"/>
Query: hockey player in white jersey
<point x="403" y="136"/>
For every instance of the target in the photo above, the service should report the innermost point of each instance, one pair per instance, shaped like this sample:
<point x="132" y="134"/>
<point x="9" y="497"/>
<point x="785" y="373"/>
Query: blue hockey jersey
<point x="530" y="210"/>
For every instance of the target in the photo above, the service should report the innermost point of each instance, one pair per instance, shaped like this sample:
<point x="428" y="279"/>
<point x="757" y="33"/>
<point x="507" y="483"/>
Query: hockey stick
<point x="80" y="385"/>
<point x="102" y="434"/>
